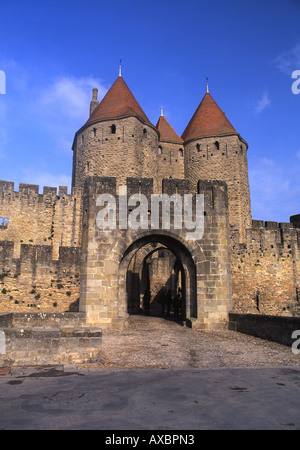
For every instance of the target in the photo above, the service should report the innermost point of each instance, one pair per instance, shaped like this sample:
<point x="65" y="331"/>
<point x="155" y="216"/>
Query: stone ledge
<point x="274" y="328"/>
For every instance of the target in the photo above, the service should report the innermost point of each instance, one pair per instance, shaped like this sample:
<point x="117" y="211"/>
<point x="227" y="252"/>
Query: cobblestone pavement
<point x="212" y="380"/>
<point x="154" y="342"/>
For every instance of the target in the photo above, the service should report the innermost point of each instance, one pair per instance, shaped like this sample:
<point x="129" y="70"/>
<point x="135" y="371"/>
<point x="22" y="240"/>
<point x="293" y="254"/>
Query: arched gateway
<point x="111" y="256"/>
<point x="182" y="254"/>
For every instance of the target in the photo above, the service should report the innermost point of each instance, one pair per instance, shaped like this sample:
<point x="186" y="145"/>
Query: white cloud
<point x="69" y="97"/>
<point x="288" y="61"/>
<point x="62" y="107"/>
<point x="46" y="179"/>
<point x="262" y="103"/>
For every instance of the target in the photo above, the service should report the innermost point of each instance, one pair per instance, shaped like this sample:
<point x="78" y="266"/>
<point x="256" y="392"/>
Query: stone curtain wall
<point x="37" y="282"/>
<point x="266" y="269"/>
<point x="40" y="219"/>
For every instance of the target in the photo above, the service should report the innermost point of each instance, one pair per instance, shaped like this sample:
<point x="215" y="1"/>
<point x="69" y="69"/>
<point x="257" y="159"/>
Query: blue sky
<point x="54" y="52"/>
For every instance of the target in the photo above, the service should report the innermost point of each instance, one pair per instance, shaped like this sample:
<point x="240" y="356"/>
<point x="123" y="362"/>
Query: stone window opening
<point x="217" y="144"/>
<point x="113" y="129"/>
<point x="181" y="153"/>
<point x="198" y="146"/>
<point x="159" y="151"/>
<point x="95" y="132"/>
<point x="145" y="130"/>
<point x="82" y="139"/>
<point x="3" y="223"/>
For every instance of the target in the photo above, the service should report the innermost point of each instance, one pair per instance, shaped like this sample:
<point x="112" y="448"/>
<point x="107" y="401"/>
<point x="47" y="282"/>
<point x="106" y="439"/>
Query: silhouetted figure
<point x="146" y="302"/>
<point x="169" y="302"/>
<point x="177" y="305"/>
<point x="179" y="302"/>
<point x="163" y="301"/>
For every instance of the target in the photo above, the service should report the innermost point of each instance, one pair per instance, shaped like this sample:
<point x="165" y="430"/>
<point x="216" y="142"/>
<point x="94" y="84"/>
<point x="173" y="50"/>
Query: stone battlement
<point x="31" y="192"/>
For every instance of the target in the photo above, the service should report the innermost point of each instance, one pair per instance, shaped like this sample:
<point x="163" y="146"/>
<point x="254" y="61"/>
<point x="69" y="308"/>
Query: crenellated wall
<point x="50" y="218"/>
<point x="35" y="281"/>
<point x="266" y="269"/>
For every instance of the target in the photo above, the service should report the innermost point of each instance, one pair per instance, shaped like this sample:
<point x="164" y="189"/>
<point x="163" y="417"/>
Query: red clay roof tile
<point x="167" y="133"/>
<point x="118" y="102"/>
<point x="208" y="120"/>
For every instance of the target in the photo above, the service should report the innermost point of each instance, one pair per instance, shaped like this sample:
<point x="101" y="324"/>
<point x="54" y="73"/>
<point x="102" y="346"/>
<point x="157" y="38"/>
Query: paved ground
<point x="152" y="342"/>
<point x="157" y="375"/>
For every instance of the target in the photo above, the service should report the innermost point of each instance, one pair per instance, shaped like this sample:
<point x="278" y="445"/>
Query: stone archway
<point x="182" y="254"/>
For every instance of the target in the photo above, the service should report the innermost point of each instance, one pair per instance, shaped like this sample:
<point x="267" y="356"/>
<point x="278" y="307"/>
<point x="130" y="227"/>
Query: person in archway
<point x="177" y="305"/>
<point x="179" y="302"/>
<point x="169" y="302"/>
<point x="163" y="301"/>
<point x="146" y="302"/>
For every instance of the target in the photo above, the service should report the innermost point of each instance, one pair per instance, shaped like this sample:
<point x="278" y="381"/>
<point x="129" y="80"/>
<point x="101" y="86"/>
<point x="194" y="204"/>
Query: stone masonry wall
<point x="106" y="255"/>
<point x="36" y="282"/>
<point x="40" y="219"/>
<point x="129" y="151"/>
<point x="227" y="162"/>
<point x="170" y="161"/>
<point x="266" y="270"/>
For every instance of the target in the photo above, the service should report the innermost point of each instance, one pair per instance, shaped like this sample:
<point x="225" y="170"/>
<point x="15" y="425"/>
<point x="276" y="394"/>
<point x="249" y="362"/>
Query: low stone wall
<point x="47" y="339"/>
<point x="274" y="328"/>
<point x="43" y="320"/>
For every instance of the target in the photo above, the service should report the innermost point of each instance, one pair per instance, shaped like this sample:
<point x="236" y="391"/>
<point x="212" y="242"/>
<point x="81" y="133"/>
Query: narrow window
<point x="82" y="139"/>
<point x="95" y="132"/>
<point x="145" y="130"/>
<point x="159" y="151"/>
<point x="217" y="144"/>
<point x="198" y="146"/>
<point x="180" y="152"/>
<point x="113" y="129"/>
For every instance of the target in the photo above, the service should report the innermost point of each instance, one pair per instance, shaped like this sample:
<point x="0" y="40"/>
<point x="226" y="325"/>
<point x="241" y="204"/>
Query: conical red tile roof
<point x="208" y="120"/>
<point x="118" y="102"/>
<point x="167" y="133"/>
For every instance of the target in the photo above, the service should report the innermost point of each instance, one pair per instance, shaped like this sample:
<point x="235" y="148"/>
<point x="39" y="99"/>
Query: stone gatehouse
<point x="54" y="257"/>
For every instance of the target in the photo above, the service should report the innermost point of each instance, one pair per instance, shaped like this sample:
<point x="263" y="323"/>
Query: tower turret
<point x="170" y="151"/>
<point x="118" y="139"/>
<point x="214" y="150"/>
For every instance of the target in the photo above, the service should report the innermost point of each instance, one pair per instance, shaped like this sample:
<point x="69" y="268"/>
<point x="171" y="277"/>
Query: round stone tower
<point x="118" y="140"/>
<point x="215" y="151"/>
